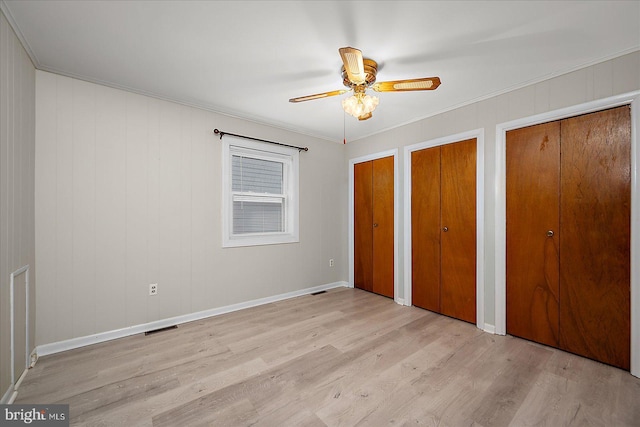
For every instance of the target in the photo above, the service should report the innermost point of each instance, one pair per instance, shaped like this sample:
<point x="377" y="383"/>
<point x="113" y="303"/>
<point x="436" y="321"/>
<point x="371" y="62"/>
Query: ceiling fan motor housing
<point x="370" y="69"/>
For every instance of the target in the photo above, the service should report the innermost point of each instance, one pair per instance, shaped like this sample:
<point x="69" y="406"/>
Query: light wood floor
<point x="342" y="358"/>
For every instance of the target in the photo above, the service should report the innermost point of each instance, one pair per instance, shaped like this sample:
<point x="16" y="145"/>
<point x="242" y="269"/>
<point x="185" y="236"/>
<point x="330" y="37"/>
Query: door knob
<point x="550" y="233"/>
<point x="375" y="224"/>
<point x="445" y="229"/>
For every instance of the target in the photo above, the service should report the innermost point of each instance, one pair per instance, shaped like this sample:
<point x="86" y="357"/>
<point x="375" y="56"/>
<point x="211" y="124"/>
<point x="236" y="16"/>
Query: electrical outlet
<point x="153" y="289"/>
<point x="331" y="263"/>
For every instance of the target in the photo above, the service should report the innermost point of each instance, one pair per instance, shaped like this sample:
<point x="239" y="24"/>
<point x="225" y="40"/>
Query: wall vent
<point x="155" y="331"/>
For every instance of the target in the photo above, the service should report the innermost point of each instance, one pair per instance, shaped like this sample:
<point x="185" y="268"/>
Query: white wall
<point x="17" y="153"/>
<point x="128" y="192"/>
<point x="617" y="76"/>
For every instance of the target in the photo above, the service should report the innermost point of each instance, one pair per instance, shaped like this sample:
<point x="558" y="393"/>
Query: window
<point x="260" y="193"/>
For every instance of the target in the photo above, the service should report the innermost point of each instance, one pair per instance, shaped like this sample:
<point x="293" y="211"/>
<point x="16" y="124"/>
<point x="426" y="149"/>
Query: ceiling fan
<point x="359" y="74"/>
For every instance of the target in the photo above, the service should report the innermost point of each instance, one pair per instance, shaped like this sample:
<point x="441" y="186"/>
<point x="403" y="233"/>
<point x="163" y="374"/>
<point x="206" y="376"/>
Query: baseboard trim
<point x="12" y="392"/>
<point x="489" y="328"/>
<point x="70" y="344"/>
<point x="9" y="396"/>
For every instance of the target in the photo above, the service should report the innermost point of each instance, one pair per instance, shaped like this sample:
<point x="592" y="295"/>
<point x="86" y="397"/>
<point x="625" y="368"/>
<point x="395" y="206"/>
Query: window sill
<point x="236" y="242"/>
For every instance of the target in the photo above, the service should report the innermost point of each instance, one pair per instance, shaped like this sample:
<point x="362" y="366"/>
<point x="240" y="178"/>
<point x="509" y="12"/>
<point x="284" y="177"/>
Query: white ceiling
<point x="246" y="58"/>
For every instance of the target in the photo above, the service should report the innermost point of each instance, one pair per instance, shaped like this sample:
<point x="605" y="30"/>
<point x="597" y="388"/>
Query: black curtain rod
<point x="221" y="133"/>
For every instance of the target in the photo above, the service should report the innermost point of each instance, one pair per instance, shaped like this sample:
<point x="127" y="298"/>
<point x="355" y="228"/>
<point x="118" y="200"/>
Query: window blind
<point x="256" y="175"/>
<point x="258" y="200"/>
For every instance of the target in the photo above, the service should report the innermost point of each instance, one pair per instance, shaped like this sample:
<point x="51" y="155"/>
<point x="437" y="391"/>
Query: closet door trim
<point x="478" y="134"/>
<point x="632" y="99"/>
<point x="396" y="212"/>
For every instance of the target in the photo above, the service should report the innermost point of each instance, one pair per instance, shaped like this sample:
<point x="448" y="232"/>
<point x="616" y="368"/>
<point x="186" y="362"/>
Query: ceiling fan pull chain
<point x="344" y="130"/>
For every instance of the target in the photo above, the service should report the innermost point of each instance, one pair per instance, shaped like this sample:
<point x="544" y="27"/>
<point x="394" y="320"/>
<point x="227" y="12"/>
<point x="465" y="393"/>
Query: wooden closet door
<point x="363" y="225"/>
<point x="383" y="226"/>
<point x="458" y="230"/>
<point x="533" y="192"/>
<point x="425" y="228"/>
<point x="443" y="229"/>
<point x="595" y="237"/>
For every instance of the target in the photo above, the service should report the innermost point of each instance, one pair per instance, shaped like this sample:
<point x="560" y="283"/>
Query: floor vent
<point x="319" y="292"/>
<point x="155" y="331"/>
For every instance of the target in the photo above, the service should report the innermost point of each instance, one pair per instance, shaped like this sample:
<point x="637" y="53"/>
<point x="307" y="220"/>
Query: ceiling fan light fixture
<point x="359" y="74"/>
<point x="360" y="105"/>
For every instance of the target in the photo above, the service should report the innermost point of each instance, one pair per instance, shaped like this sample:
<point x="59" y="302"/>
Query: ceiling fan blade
<point x="353" y="64"/>
<point x="318" y="96"/>
<point x="427" y="83"/>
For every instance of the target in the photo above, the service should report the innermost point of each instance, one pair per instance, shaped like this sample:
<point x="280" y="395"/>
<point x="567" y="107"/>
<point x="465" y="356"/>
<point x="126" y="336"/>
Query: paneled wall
<point x="17" y="153"/>
<point x="613" y="77"/>
<point x="128" y="193"/>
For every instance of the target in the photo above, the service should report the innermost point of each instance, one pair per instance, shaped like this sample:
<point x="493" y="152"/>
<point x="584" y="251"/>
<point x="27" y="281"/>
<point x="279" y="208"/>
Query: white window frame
<point x="290" y="159"/>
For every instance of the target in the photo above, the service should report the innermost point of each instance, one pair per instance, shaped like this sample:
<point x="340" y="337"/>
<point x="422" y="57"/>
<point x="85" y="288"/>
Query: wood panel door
<point x="443" y="229"/>
<point x="458" y="218"/>
<point x="595" y="240"/>
<point x="425" y="228"/>
<point x="383" y="226"/>
<point x="363" y="225"/>
<point x="568" y="234"/>
<point x="374" y="226"/>
<point x="533" y="223"/>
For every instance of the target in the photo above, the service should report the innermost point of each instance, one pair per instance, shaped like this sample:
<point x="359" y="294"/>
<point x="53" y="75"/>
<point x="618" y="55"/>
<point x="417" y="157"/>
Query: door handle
<point x="550" y="233"/>
<point x="375" y="224"/>
<point x="445" y="229"/>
